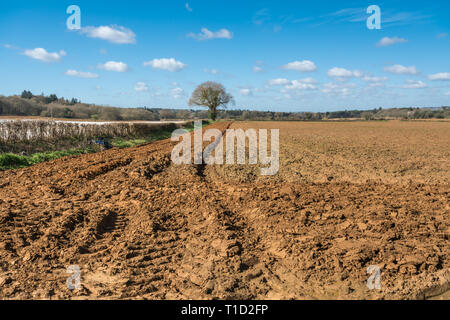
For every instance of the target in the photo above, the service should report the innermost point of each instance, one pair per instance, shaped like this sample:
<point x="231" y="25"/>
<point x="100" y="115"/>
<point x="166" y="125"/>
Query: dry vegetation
<point x="16" y="130"/>
<point x="27" y="142"/>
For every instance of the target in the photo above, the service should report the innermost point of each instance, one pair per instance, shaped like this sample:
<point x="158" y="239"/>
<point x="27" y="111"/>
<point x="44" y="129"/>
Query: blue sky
<point x="271" y="55"/>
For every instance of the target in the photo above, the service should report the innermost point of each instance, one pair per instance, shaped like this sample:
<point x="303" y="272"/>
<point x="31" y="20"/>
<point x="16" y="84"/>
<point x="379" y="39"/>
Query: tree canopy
<point x="211" y="95"/>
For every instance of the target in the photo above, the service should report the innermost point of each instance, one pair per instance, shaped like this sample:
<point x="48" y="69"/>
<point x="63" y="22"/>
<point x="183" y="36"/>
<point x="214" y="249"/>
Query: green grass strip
<point x="13" y="161"/>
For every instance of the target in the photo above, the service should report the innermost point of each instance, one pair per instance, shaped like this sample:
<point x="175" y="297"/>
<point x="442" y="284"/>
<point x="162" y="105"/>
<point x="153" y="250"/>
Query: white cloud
<point x="342" y="89"/>
<point x="403" y="18"/>
<point x="399" y="69"/>
<point x="140" y="87"/>
<point x="42" y="55"/>
<point x="79" y="74"/>
<point x="166" y="64"/>
<point x="246" y="92"/>
<point x="374" y="80"/>
<point x="114" y="66"/>
<point x="300" y="85"/>
<point x="260" y="90"/>
<point x="114" y="34"/>
<point x="444" y="76"/>
<point x="261" y="16"/>
<point x="376" y="85"/>
<point x="308" y="80"/>
<point x="343" y="73"/>
<point x="293" y="85"/>
<point x="188" y="8"/>
<point x="212" y="71"/>
<point x="412" y="84"/>
<point x="279" y="82"/>
<point x="257" y="69"/>
<point x="386" y="41"/>
<point x="177" y="93"/>
<point x="447" y="93"/>
<point x="302" y="66"/>
<point x="206" y="34"/>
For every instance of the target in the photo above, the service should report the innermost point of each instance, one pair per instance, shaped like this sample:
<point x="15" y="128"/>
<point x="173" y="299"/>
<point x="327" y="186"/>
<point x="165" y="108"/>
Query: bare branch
<point x="211" y="95"/>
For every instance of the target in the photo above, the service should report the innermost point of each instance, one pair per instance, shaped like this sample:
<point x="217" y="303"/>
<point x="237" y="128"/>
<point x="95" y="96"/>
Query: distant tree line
<point x="375" y="114"/>
<point x="51" y="105"/>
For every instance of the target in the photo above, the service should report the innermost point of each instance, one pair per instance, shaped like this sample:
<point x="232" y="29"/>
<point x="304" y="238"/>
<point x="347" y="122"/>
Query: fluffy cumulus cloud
<point x="114" y="66"/>
<point x="212" y="71"/>
<point x="443" y="76"/>
<point x="206" y="34"/>
<point x="42" y="55"/>
<point x="302" y="66"/>
<point x="308" y="80"/>
<point x="342" y="89"/>
<point x="169" y="64"/>
<point x="412" y="84"/>
<point x="386" y="41"/>
<point x="375" y="82"/>
<point x="374" y="79"/>
<point x="246" y="92"/>
<point x="399" y="69"/>
<point x="177" y="93"/>
<point x="80" y="74"/>
<point x="279" y="82"/>
<point x="302" y="84"/>
<point x="113" y="34"/>
<point x="344" y="73"/>
<point x="140" y="87"/>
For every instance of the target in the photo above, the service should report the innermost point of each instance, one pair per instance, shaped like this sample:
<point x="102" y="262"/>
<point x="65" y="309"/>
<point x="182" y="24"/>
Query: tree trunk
<point x="213" y="113"/>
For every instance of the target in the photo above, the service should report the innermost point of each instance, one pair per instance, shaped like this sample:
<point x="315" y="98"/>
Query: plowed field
<point x="347" y="196"/>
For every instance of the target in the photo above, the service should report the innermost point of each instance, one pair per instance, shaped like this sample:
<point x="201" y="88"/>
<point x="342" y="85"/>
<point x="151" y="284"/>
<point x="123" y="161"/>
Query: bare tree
<point x="211" y="95"/>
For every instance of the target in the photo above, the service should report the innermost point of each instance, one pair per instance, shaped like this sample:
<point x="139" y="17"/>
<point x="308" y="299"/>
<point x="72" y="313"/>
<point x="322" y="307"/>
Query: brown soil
<point x="141" y="228"/>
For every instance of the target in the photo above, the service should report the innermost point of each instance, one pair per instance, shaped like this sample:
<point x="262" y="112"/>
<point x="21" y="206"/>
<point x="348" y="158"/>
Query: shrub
<point x="8" y="160"/>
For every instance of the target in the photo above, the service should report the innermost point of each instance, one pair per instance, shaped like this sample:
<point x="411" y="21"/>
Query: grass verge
<point x="13" y="161"/>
